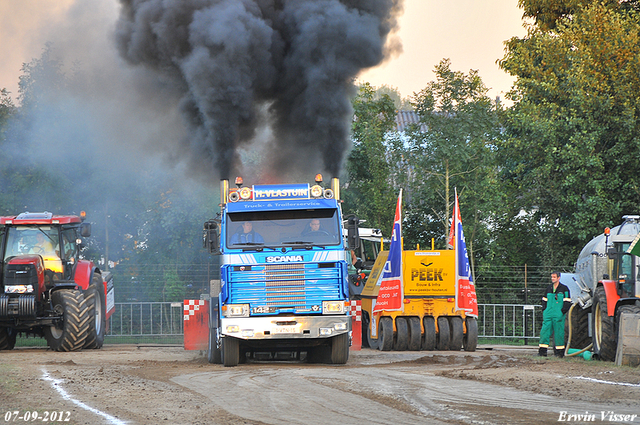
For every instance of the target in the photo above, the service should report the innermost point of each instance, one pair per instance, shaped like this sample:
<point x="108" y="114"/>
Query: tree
<point x="455" y="150"/>
<point x="368" y="190"/>
<point x="573" y="135"/>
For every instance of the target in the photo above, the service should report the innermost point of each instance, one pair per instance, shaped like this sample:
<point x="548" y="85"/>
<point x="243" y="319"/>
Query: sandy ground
<point x="166" y="384"/>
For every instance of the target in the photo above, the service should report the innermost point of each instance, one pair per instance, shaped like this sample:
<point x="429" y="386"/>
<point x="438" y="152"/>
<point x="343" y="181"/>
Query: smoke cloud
<point x="238" y="66"/>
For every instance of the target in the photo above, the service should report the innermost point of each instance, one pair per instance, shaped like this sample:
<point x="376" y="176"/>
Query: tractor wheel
<point x="385" y="334"/>
<point x="340" y="349"/>
<point x="430" y="336"/>
<point x="401" y="342"/>
<point x="7" y="338"/>
<point x="94" y="297"/>
<point x="579" y="328"/>
<point x="444" y="336"/>
<point x="470" y="341"/>
<point x="230" y="351"/>
<point x="69" y="333"/>
<point x="457" y="333"/>
<point x="415" y="334"/>
<point x="604" y="336"/>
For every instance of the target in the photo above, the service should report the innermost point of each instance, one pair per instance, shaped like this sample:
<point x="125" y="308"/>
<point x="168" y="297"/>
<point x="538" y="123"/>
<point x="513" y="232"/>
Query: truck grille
<point x="285" y="286"/>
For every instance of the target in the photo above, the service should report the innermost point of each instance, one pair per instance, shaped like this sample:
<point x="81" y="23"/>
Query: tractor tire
<point x="604" y="335"/>
<point x="457" y="333"/>
<point x="401" y="342"/>
<point x="579" y="328"/>
<point x="430" y="336"/>
<point x="470" y="341"/>
<point x="444" y="335"/>
<point x="71" y="333"/>
<point x="230" y="351"/>
<point x="340" y="349"/>
<point x="94" y="297"/>
<point x="415" y="334"/>
<point x="385" y="334"/>
<point x="7" y="338"/>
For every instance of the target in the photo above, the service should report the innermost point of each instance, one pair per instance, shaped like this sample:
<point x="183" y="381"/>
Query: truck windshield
<point x="283" y="228"/>
<point x="23" y="240"/>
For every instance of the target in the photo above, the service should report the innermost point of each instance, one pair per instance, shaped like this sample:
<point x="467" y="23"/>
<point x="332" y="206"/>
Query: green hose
<point x="574" y="351"/>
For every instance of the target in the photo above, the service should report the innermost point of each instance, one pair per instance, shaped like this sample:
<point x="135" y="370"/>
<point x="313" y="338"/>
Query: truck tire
<point x="470" y="341"/>
<point x="401" y="342"/>
<point x="444" y="336"/>
<point x="340" y="349"/>
<point x="415" y="334"/>
<point x="579" y="328"/>
<point x="457" y="333"/>
<point x="230" y="351"/>
<point x="7" y="338"/>
<point x="604" y="336"/>
<point x="430" y="336"/>
<point x="94" y="297"/>
<point x="385" y="334"/>
<point x="71" y="333"/>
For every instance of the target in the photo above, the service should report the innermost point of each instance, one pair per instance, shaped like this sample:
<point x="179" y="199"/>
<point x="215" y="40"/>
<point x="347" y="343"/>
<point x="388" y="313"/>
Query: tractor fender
<point x="84" y="273"/>
<point x="612" y="296"/>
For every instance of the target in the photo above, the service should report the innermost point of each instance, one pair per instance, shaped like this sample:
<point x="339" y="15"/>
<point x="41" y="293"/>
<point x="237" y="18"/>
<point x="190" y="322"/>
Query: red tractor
<point x="46" y="289"/>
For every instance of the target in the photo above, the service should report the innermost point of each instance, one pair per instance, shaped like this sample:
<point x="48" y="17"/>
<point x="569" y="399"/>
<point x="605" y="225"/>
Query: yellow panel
<point x="429" y="273"/>
<point x="370" y="288"/>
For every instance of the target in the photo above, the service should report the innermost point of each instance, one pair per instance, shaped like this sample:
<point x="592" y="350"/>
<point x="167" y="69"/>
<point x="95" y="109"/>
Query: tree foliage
<point x="573" y="134"/>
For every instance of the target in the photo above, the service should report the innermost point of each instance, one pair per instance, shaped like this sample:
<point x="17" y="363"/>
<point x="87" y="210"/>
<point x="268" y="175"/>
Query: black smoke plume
<point x="242" y="65"/>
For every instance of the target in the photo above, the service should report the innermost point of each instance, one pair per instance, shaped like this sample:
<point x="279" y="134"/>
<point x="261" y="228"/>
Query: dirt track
<point x="150" y="385"/>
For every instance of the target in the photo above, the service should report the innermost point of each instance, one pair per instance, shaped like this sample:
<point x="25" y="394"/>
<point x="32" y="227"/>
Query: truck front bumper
<point x="285" y="327"/>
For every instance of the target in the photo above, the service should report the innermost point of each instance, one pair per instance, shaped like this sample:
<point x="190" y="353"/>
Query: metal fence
<point x="164" y="319"/>
<point x="163" y="323"/>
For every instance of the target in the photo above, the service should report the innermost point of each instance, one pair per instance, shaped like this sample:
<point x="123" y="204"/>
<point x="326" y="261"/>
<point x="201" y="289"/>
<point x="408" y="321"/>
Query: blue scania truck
<point x="283" y="274"/>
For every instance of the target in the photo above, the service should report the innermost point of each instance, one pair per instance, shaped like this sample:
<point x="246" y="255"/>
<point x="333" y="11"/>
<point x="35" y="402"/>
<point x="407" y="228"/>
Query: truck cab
<point x="283" y="275"/>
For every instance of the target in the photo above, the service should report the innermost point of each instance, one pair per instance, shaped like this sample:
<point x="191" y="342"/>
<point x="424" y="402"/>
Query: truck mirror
<point x="210" y="237"/>
<point x="85" y="230"/>
<point x="353" y="237"/>
<point x="612" y="253"/>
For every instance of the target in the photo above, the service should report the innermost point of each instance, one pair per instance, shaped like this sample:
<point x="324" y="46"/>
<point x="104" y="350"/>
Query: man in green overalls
<point x="555" y="304"/>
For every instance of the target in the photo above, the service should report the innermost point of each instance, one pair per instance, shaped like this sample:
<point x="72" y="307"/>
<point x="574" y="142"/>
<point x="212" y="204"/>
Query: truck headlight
<point x="18" y="289"/>
<point x="333" y="307"/>
<point x="235" y="310"/>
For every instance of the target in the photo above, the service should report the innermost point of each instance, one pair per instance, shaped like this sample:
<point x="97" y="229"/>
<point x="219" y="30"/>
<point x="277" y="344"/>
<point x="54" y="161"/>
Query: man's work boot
<point x="558" y="353"/>
<point x="542" y="352"/>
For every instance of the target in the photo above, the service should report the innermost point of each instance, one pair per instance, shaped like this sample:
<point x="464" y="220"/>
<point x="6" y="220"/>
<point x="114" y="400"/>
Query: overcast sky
<point x="469" y="32"/>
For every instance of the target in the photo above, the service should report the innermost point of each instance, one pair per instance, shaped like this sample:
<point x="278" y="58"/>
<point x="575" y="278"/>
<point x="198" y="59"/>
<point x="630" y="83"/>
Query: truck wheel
<point x="444" y="336"/>
<point x="470" y="341"/>
<point x="7" y="338"/>
<point x="214" y="354"/>
<point x="579" y="328"/>
<point x="70" y="333"/>
<point x="429" y="341"/>
<point x="340" y="349"/>
<point x="230" y="351"/>
<point x="94" y="297"/>
<point x="604" y="336"/>
<point x="401" y="342"/>
<point x="415" y="334"/>
<point x="457" y="333"/>
<point x="385" y="335"/>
